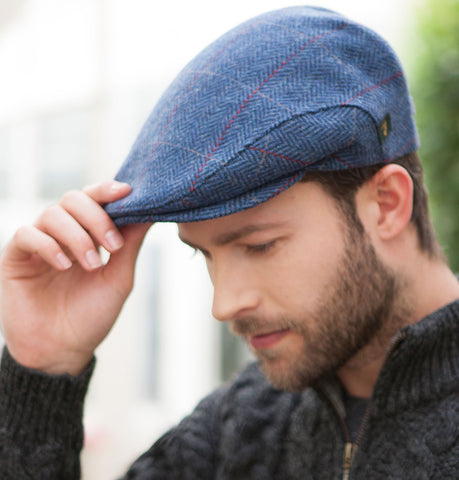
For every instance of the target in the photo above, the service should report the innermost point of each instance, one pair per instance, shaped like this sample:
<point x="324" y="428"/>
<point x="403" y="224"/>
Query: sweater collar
<point x="422" y="364"/>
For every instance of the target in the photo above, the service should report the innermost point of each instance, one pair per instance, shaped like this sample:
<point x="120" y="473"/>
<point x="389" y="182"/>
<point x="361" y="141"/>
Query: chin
<point x="283" y="375"/>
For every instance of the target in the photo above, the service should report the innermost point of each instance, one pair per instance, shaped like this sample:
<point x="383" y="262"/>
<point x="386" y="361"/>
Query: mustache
<point x="249" y="326"/>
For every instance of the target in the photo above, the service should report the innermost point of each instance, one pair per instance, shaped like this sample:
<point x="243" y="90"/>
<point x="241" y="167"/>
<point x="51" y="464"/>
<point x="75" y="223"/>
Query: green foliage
<point x="435" y="88"/>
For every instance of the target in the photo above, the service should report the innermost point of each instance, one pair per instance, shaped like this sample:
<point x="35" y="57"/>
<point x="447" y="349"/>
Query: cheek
<point x="303" y="273"/>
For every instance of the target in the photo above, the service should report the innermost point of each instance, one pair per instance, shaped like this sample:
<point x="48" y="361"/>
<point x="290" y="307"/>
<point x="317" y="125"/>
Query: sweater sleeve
<point x="41" y="432"/>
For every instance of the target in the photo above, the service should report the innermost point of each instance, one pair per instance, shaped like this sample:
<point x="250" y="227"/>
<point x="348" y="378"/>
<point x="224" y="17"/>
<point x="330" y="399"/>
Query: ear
<point x="386" y="201"/>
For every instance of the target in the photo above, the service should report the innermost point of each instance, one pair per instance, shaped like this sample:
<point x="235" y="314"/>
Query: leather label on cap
<point x="384" y="128"/>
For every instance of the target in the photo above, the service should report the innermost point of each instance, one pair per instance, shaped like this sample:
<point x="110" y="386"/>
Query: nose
<point x="235" y="294"/>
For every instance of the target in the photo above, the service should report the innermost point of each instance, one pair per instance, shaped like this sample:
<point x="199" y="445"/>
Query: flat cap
<point x="287" y="92"/>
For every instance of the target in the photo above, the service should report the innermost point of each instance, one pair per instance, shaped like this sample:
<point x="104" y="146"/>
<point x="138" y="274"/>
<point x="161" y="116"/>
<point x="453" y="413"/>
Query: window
<point x="150" y="260"/>
<point x="63" y="152"/>
<point x="234" y="354"/>
<point x="4" y="176"/>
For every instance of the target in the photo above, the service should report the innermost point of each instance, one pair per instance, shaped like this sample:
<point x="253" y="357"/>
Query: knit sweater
<point x="249" y="430"/>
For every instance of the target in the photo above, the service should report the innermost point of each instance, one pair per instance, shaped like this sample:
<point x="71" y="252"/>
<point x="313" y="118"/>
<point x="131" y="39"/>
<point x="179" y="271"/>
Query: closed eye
<point x="197" y="251"/>
<point x="204" y="253"/>
<point x="261" y="247"/>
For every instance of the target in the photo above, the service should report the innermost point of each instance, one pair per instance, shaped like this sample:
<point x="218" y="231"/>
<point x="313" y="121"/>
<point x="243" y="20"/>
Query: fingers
<point x="91" y="216"/>
<point x="29" y="240"/>
<point x="107" y="191"/>
<point x="74" y="229"/>
<point x="67" y="231"/>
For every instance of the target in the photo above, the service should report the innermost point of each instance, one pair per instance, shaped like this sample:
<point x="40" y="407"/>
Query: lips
<point x="267" y="340"/>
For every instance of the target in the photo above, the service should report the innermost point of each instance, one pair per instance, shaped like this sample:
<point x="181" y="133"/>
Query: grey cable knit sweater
<point x="248" y="430"/>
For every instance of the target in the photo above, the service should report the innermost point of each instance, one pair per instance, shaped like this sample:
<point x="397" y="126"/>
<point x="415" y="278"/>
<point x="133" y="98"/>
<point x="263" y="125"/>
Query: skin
<point x="306" y="291"/>
<point x="58" y="301"/>
<point x="312" y="296"/>
<point x="271" y="264"/>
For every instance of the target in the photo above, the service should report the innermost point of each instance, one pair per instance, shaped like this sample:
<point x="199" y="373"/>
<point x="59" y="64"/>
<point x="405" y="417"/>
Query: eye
<point x="203" y="252"/>
<point x="261" y="247"/>
<point x="198" y="251"/>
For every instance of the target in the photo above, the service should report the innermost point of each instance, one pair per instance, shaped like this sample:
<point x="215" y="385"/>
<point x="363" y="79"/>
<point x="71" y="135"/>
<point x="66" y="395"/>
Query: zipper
<point x="347" y="460"/>
<point x="350" y="449"/>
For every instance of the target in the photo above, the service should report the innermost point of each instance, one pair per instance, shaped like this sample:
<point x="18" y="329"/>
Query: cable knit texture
<point x="248" y="430"/>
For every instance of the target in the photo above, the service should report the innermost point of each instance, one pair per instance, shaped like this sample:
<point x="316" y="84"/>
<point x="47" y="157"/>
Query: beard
<point x="362" y="301"/>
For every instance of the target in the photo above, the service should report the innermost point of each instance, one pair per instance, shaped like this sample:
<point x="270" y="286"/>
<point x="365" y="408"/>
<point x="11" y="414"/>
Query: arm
<point x="41" y="433"/>
<point x="58" y="303"/>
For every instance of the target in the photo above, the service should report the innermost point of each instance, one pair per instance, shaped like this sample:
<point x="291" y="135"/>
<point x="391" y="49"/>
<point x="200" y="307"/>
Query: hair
<point x="342" y="185"/>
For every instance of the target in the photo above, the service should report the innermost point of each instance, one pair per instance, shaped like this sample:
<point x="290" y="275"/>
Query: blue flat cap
<point x="287" y="92"/>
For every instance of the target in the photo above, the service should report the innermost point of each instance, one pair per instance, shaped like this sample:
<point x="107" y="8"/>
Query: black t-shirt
<point x="355" y="412"/>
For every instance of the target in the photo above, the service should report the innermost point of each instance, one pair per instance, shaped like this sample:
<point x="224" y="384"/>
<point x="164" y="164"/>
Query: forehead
<point x="299" y="204"/>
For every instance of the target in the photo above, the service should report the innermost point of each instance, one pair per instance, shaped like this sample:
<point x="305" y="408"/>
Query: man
<point x="286" y="154"/>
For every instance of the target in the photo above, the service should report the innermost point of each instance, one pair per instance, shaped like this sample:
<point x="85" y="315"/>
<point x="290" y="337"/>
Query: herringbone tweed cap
<point x="293" y="90"/>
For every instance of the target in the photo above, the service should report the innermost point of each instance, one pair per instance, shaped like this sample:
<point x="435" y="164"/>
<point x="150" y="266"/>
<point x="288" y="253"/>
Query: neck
<point x="431" y="286"/>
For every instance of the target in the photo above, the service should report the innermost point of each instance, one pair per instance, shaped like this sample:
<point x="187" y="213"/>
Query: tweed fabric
<point x="293" y="90"/>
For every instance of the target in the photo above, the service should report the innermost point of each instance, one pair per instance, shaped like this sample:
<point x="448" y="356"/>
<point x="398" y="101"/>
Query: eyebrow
<point x="228" y="237"/>
<point x="232" y="236"/>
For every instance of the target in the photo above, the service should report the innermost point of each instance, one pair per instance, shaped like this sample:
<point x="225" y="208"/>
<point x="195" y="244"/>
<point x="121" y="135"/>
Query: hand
<point x="58" y="300"/>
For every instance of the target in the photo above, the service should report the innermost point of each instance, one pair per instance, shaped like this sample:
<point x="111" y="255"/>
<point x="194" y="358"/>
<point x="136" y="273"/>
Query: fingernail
<point x="93" y="259"/>
<point x="117" y="186"/>
<point x="63" y="261"/>
<point x="114" y="240"/>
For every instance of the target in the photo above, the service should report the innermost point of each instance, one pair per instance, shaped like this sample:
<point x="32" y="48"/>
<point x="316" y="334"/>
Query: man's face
<point x="291" y="278"/>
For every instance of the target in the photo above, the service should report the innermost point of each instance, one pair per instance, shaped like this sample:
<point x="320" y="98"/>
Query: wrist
<point x="55" y="363"/>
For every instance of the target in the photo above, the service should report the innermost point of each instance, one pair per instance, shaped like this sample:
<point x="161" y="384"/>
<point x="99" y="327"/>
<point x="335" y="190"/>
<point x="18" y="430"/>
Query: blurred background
<point x="77" y="80"/>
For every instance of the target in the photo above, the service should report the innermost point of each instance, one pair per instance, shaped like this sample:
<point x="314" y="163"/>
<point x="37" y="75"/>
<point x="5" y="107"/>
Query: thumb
<point x="120" y="268"/>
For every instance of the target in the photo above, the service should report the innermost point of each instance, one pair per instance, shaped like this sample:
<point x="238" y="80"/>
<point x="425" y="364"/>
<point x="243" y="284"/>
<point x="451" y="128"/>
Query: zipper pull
<point x="347" y="460"/>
